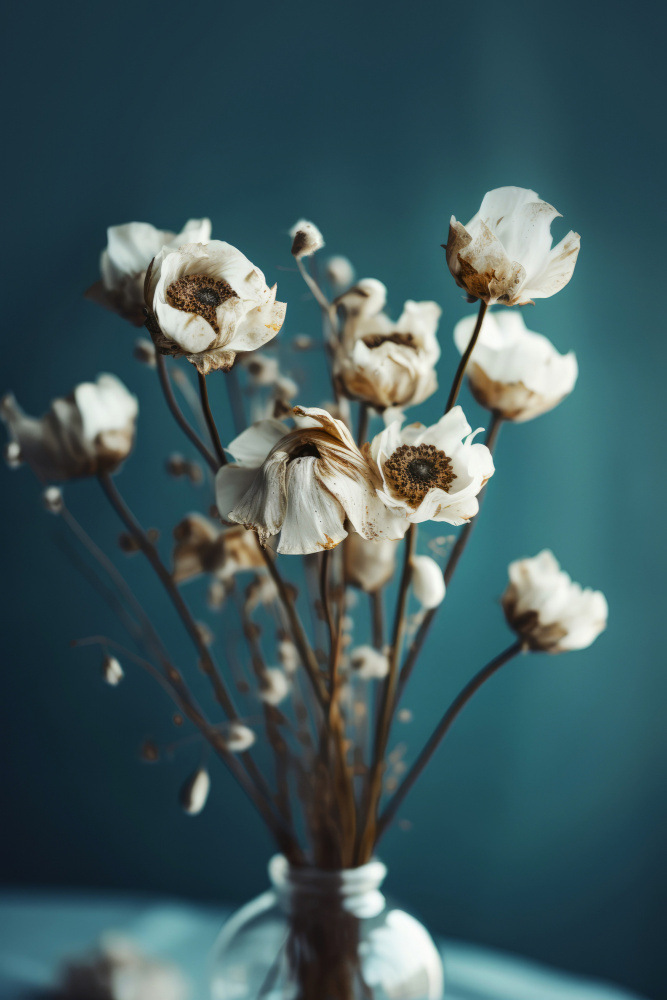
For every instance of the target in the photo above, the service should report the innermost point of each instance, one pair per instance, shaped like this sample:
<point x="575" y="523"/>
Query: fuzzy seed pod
<point x="194" y="792"/>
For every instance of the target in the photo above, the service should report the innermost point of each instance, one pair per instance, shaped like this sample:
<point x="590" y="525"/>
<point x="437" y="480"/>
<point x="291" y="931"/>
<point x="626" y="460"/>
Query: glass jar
<point x="325" y="935"/>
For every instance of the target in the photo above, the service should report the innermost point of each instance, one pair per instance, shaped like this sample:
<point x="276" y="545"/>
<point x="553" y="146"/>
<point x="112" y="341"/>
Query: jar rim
<point x="347" y="881"/>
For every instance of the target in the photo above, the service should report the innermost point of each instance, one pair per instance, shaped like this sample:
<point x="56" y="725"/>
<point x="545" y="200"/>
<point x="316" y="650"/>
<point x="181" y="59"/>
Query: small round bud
<point x="288" y="656"/>
<point x="149" y="752"/>
<point x="306" y="239"/>
<point x="144" y="351"/>
<point x="112" y="671"/>
<point x="176" y="465"/>
<point x="274" y="686"/>
<point x="340" y="272"/>
<point x="428" y="583"/>
<point x="194" y="473"/>
<point x="369" y="663"/>
<point x="237" y="737"/>
<point x="52" y="500"/>
<point x="302" y="342"/>
<point x="194" y="792"/>
<point x="404" y="715"/>
<point x="13" y="454"/>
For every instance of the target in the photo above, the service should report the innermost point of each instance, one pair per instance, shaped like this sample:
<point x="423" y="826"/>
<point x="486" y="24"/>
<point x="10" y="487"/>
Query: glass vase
<point x="325" y="935"/>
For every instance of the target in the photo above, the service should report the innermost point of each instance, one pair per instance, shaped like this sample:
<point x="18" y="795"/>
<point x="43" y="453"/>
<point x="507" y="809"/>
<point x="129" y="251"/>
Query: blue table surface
<point x="38" y="930"/>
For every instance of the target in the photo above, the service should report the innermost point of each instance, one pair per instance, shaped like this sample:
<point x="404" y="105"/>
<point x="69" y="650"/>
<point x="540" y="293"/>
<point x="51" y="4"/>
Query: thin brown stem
<point x="210" y="421"/>
<point x="377" y="618"/>
<point x="383" y="724"/>
<point x="362" y="431"/>
<point x="325" y="596"/>
<point x="463" y="363"/>
<point x="235" y="400"/>
<point x="452" y="563"/>
<point x="441" y="730"/>
<point x="177" y="414"/>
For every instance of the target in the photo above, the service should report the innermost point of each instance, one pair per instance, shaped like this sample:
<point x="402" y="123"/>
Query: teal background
<point x="541" y="826"/>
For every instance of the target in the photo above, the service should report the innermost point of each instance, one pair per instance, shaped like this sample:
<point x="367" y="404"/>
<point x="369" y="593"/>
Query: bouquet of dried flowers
<point x="310" y="482"/>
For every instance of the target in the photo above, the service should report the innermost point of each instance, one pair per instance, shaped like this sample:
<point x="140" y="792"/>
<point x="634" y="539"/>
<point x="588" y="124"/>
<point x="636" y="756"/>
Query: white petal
<point x="105" y="405"/>
<point x="231" y="484"/>
<point x="313" y="518"/>
<point x="557" y="271"/>
<point x="264" y="503"/>
<point x="253" y="444"/>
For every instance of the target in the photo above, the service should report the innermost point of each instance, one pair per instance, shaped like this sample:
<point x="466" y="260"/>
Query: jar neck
<point x="353" y="890"/>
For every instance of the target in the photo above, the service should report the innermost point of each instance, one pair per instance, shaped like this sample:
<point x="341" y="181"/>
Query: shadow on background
<point x="541" y="828"/>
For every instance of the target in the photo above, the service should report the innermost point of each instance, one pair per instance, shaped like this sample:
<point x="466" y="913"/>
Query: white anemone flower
<point x="207" y="301"/>
<point x="130" y="249"/>
<point x="88" y="432"/>
<point x="428" y="583"/>
<point x="547" y="610"/>
<point x="504" y="254"/>
<point x="302" y="483"/>
<point x="514" y="371"/>
<point x="390" y="364"/>
<point x="431" y="473"/>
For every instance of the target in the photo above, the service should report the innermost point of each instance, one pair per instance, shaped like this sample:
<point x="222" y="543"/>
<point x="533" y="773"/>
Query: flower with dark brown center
<point x="413" y="470"/>
<point x="200" y="294"/>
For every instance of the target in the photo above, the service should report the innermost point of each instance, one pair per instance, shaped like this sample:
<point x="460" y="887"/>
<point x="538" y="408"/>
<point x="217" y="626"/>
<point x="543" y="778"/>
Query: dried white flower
<point x="274" y="686"/>
<point x="52" y="500"/>
<point x="208" y="302"/>
<point x="369" y="663"/>
<point x="144" y="351"/>
<point x="339" y="272"/>
<point x="303" y="483"/>
<point x="306" y="239"/>
<point x="369" y="564"/>
<point x="428" y="584"/>
<point x="201" y="547"/>
<point x="512" y="370"/>
<point x="112" y="671"/>
<point x="262" y="591"/>
<point x="431" y="473"/>
<point x="194" y="792"/>
<point x="504" y="254"/>
<point x="547" y="610"/>
<point x="130" y="249"/>
<point x="289" y="657"/>
<point x="89" y="431"/>
<point x="390" y="364"/>
<point x="237" y="737"/>
<point x="118" y="971"/>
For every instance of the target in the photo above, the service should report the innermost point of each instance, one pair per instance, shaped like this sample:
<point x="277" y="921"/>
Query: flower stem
<point x="178" y="415"/>
<point x="210" y="422"/>
<point x="463" y="363"/>
<point x="383" y="724"/>
<point x="235" y="400"/>
<point x="441" y="730"/>
<point x="363" y="424"/>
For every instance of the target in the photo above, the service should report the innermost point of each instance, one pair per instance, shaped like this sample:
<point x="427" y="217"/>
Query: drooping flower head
<point x="387" y="363"/>
<point x="302" y="483"/>
<point x="207" y="301"/>
<point x="504" y="254"/>
<point x="547" y="610"/>
<point x="431" y="473"/>
<point x="512" y="370"/>
<point x="88" y="432"/>
<point x="130" y="249"/>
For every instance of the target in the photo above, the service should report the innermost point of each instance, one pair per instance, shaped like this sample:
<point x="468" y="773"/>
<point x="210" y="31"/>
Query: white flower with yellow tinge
<point x="513" y="371"/>
<point x="207" y="301"/>
<point x="547" y="610"/>
<point x="504" y="253"/>
<point x="431" y="473"/>
<point x="303" y="484"/>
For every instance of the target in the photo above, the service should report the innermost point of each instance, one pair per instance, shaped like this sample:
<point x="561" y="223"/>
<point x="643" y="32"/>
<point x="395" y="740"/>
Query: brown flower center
<point x="200" y="294"/>
<point x="413" y="470"/>
<point x="377" y="339"/>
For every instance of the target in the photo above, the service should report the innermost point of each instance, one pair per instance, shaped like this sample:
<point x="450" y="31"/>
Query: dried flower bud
<point x="404" y="715"/>
<point x="302" y="342"/>
<point x="288" y="656"/>
<point x="274" y="686"/>
<point x="369" y="564"/>
<point x="126" y="543"/>
<point x="52" y="500"/>
<point x="428" y="584"/>
<point x="144" y="351"/>
<point x="13" y="454"/>
<point x="205" y="633"/>
<point x="237" y="737"/>
<point x="194" y="792"/>
<point x="112" y="671"/>
<point x="217" y="593"/>
<point x="262" y="590"/>
<point x="149" y="752"/>
<point x="176" y="465"/>
<point x="340" y="272"/>
<point x="306" y="239"/>
<point x="369" y="663"/>
<point x="116" y="970"/>
<point x="194" y="473"/>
